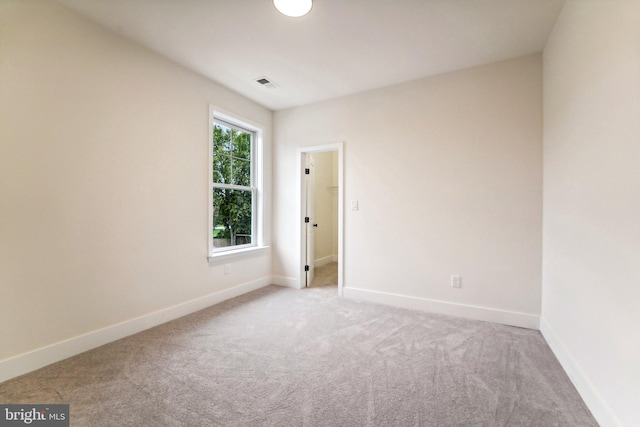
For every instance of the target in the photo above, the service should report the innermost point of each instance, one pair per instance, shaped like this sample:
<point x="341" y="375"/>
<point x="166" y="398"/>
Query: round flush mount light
<point x="293" y="8"/>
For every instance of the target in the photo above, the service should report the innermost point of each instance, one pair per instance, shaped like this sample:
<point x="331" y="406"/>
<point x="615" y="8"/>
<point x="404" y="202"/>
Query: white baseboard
<point x="325" y="260"/>
<point x="38" y="358"/>
<point x="287" y="282"/>
<point x="512" y="318"/>
<point x="599" y="409"/>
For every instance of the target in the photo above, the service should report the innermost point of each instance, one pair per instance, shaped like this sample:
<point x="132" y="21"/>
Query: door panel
<point x="309" y="178"/>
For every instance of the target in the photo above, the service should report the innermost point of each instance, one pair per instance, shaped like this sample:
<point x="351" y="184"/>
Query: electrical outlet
<point x="456" y="281"/>
<point x="227" y="269"/>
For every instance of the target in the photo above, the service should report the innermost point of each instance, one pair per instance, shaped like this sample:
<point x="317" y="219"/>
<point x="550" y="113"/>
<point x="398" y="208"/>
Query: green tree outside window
<point x="232" y="192"/>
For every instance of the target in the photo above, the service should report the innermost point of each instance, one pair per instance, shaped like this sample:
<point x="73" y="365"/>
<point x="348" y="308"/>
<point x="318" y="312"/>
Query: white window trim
<point x="258" y="181"/>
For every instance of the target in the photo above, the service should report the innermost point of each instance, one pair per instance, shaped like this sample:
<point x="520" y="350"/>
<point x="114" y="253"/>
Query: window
<point x="235" y="190"/>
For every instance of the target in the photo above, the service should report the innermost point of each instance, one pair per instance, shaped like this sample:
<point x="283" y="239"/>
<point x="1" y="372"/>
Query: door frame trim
<point x="302" y="194"/>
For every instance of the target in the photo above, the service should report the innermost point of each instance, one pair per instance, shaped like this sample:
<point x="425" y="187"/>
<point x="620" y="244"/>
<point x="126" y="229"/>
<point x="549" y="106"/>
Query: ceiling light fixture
<point x="293" y="8"/>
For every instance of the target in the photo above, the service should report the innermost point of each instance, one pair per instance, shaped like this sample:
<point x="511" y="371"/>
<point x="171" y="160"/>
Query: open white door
<point x="306" y="208"/>
<point x="309" y="218"/>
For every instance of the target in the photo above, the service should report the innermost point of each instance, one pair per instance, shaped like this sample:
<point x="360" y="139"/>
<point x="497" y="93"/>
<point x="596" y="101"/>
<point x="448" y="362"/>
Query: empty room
<point x="320" y="212"/>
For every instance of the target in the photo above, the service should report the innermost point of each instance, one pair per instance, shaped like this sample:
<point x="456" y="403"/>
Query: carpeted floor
<point x="283" y="357"/>
<point x="326" y="275"/>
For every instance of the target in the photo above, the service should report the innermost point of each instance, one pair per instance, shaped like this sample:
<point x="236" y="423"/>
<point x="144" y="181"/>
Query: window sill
<point x="237" y="253"/>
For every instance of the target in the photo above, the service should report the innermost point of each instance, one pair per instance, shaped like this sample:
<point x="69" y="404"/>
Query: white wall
<point x="103" y="179"/>
<point x="447" y="171"/>
<point x="591" y="269"/>
<point x="326" y="207"/>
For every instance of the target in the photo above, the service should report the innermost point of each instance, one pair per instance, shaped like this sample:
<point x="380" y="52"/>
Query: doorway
<point x="321" y="212"/>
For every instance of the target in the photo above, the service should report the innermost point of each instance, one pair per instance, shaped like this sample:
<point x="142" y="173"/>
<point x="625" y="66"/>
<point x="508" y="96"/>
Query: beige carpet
<point x="283" y="357"/>
<point x="326" y="275"/>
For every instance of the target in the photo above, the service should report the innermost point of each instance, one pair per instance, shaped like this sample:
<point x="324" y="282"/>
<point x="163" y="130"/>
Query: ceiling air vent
<point x="266" y="82"/>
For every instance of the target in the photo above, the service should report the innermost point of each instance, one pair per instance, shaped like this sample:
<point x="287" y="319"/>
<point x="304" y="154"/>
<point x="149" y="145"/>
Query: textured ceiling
<point x="340" y="47"/>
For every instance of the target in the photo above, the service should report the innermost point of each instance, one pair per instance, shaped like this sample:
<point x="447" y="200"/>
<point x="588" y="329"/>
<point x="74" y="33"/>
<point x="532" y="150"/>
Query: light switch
<point x="456" y="281"/>
<point x="354" y="205"/>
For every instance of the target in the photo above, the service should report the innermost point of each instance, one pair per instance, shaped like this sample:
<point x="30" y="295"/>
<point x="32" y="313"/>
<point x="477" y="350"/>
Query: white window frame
<point x="256" y="187"/>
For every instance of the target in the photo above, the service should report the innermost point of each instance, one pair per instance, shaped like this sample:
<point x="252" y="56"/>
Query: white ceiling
<point x="340" y="47"/>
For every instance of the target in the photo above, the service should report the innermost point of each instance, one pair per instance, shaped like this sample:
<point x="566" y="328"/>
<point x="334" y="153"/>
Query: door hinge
<point x="307" y="171"/>
<point x="306" y="219"/>
<point x="306" y="268"/>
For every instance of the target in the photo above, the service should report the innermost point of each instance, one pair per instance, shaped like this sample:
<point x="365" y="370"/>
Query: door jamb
<point x="302" y="193"/>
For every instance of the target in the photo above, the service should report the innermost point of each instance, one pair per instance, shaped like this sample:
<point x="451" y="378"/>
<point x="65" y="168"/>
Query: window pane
<point x="221" y="169"/>
<point x="231" y="155"/>
<point x="232" y="211"/>
<point x="242" y="145"/>
<point x="222" y="154"/>
<point x="221" y="138"/>
<point x="241" y="172"/>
